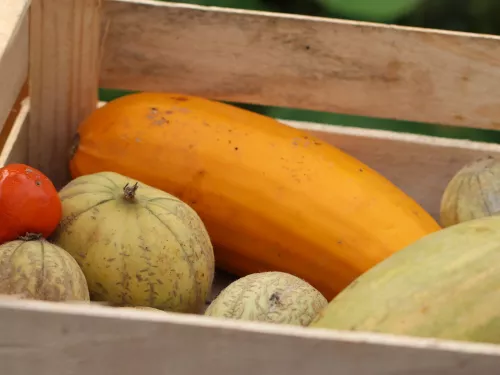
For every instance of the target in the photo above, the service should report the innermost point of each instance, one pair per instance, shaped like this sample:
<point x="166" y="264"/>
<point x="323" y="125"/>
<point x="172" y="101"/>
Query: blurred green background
<point x="480" y="16"/>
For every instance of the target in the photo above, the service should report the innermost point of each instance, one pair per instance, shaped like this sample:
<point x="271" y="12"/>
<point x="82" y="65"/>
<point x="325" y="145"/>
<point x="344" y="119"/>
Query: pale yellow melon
<point x="273" y="297"/>
<point x="38" y="269"/>
<point x="137" y="245"/>
<point x="472" y="193"/>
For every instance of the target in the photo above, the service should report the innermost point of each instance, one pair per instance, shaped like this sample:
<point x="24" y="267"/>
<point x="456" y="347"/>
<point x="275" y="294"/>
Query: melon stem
<point x="30" y="236"/>
<point x="129" y="191"/>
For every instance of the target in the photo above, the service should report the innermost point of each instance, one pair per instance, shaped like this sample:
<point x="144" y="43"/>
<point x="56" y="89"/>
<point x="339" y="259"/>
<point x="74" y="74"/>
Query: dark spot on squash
<point x="180" y="98"/>
<point x="236" y="149"/>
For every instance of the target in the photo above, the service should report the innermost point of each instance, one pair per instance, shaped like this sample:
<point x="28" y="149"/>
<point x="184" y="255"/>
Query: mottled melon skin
<point x="273" y="297"/>
<point x="38" y="269"/>
<point x="472" y="193"/>
<point x="152" y="250"/>
<point x="445" y="285"/>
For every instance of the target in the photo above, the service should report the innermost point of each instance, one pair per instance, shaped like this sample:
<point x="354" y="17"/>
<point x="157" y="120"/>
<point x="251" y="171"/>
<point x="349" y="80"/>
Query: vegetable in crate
<point x="445" y="285"/>
<point x="273" y="297"/>
<point x="137" y="245"/>
<point x="473" y="192"/>
<point x="28" y="203"/>
<point x="273" y="198"/>
<point x="34" y="268"/>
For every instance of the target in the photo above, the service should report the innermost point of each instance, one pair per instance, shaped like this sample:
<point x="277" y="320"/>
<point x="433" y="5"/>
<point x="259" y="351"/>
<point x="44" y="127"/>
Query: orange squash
<point x="272" y="197"/>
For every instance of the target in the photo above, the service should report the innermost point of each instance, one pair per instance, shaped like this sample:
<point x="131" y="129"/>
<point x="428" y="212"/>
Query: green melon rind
<point x="445" y="285"/>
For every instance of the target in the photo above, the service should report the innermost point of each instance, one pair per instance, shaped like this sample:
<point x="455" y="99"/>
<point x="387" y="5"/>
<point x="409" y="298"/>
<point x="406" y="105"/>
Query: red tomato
<point x="29" y="203"/>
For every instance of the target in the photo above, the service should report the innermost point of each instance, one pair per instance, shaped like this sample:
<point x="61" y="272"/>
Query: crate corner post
<point x="65" y="50"/>
<point x="14" y="56"/>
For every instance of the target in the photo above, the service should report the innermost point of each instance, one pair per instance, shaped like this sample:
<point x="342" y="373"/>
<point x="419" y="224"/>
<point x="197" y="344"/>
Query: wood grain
<point x="57" y="338"/>
<point x="64" y="68"/>
<point x="15" y="148"/>
<point x="13" y="114"/>
<point x="303" y="62"/>
<point x="14" y="52"/>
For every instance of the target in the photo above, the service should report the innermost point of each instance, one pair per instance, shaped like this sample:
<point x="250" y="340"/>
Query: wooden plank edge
<point x="14" y="112"/>
<point x="394" y="136"/>
<point x="81" y="309"/>
<point x="307" y="62"/>
<point x="210" y="8"/>
<point x="14" y="53"/>
<point x="15" y="149"/>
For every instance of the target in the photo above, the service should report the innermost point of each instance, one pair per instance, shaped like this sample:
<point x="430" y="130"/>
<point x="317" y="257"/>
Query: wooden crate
<point x="68" y="48"/>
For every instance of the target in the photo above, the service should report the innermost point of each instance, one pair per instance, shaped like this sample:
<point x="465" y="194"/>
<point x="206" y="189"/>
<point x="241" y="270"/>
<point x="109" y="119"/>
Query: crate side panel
<point x="64" y="67"/>
<point x="304" y="62"/>
<point x="42" y="338"/>
<point x="14" y="52"/>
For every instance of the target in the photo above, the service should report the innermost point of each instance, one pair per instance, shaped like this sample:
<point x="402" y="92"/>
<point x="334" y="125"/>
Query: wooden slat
<point x="15" y="148"/>
<point x="64" y="68"/>
<point x="304" y="62"/>
<point x="14" y="113"/>
<point x="48" y="338"/>
<point x="14" y="52"/>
